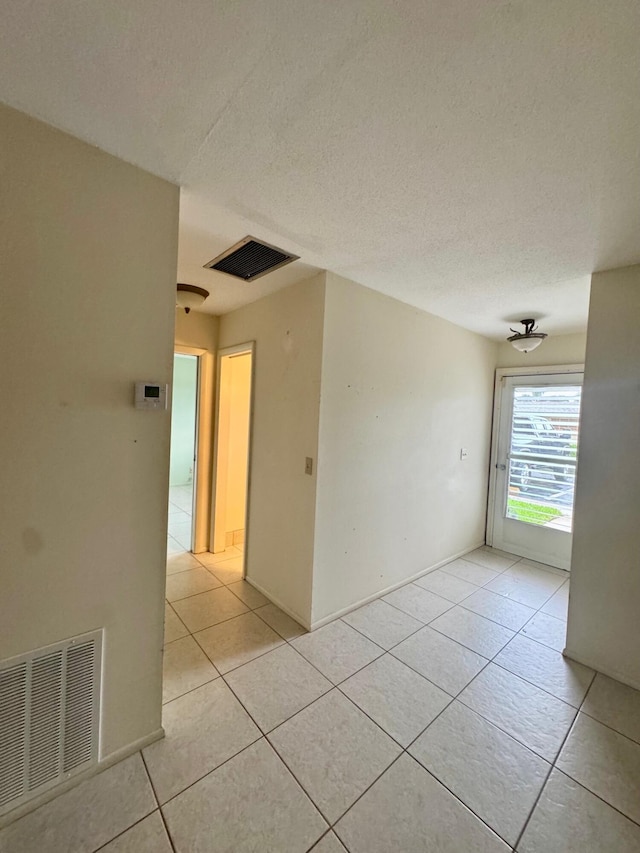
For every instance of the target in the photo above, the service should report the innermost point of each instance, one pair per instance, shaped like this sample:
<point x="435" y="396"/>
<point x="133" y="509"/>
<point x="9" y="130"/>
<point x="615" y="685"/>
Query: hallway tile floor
<point x="441" y="717"/>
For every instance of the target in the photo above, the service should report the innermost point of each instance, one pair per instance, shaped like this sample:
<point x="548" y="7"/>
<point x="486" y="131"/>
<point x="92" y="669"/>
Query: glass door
<point x="535" y="462"/>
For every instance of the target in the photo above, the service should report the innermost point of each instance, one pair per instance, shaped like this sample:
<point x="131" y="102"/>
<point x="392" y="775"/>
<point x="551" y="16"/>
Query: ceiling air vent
<point x="250" y="258"/>
<point x="49" y="713"/>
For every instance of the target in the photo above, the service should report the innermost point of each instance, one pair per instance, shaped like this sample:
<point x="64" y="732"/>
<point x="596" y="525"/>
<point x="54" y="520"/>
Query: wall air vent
<point x="250" y="258"/>
<point x="49" y="717"/>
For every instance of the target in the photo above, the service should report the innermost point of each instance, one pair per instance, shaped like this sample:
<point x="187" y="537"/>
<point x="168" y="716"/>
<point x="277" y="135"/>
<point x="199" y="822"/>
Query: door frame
<point x="202" y="444"/>
<point x="236" y="349"/>
<point x="501" y="374"/>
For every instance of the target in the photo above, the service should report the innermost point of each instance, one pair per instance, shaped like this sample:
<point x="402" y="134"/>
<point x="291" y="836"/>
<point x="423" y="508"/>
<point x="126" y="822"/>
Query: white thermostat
<point x="151" y="395"/>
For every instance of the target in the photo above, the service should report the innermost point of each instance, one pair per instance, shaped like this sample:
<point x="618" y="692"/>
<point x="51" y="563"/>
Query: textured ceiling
<point x="476" y="158"/>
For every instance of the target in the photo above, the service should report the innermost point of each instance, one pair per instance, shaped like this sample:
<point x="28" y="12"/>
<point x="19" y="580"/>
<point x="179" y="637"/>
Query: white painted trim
<point x="183" y="350"/>
<point x="502" y="373"/>
<point x="594" y="663"/>
<point x="68" y="784"/>
<point x="547" y="370"/>
<point x="295" y="616"/>
<point x="326" y="619"/>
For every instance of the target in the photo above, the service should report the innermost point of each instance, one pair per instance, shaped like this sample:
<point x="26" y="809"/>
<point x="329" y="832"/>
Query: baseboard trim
<point x="338" y="613"/>
<point x="593" y="663"/>
<point x="278" y="603"/>
<point x="68" y="784"/>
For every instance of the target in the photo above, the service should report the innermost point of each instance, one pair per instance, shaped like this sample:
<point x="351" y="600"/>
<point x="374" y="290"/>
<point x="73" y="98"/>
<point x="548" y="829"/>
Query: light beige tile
<point x="473" y="631"/>
<point x="237" y="641"/>
<point x="277" y="685"/>
<point x="184" y="667"/>
<point x="228" y="571"/>
<point x="408" y="810"/>
<point x="558" y="604"/>
<point x="252" y="804"/>
<point x="545" y="581"/>
<point x="533" y="564"/>
<point x="181" y="531"/>
<point x="191" y="582"/>
<point x="337" y="650"/>
<point x="417" y="602"/>
<point x="499" y="609"/>
<point x="605" y="762"/>
<point x="173" y="548"/>
<point x="399" y="700"/>
<point x="173" y="626"/>
<point x="547" y="630"/>
<point x="280" y="622"/>
<point x="248" y="594"/>
<point x="202" y="729"/>
<point x="329" y="843"/>
<point x="208" y="608"/>
<point x="470" y="572"/>
<point x="547" y="669"/>
<point x="86" y="817"/>
<point x="209" y="559"/>
<point x="443" y="661"/>
<point x="491" y="558"/>
<point x="614" y="704"/>
<point x="181" y="562"/>
<point x="493" y="774"/>
<point x="446" y="585"/>
<point x="569" y="819"/>
<point x="148" y="836"/>
<point x="518" y="590"/>
<point x="335" y="751"/>
<point x="382" y="623"/>
<point x="532" y="716"/>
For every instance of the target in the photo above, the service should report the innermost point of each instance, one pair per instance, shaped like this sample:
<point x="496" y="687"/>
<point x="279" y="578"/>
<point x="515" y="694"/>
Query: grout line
<point x="411" y="614"/>
<point x="221" y="622"/>
<point x="395" y="645"/>
<point x="120" y="834"/>
<point x="315" y="843"/>
<point x="192" y="690"/>
<point x="244" y="663"/>
<point x="337" y="686"/>
<point x="164" y="822"/>
<point x="213" y="770"/>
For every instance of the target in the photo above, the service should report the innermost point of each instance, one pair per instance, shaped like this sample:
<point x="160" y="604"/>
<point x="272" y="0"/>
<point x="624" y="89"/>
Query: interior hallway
<point x="441" y="717"/>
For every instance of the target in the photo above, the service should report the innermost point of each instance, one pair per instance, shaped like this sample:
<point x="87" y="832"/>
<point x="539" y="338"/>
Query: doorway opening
<point x="534" y="463"/>
<point x="182" y="465"/>
<point x="232" y="451"/>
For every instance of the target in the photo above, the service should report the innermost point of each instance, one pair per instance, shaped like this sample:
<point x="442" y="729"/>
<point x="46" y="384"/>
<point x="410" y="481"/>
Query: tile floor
<point x="180" y="516"/>
<point x="441" y="717"/>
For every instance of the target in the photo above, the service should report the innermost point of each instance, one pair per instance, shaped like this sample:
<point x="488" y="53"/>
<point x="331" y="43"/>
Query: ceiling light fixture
<point x="527" y="340"/>
<point x="189" y="296"/>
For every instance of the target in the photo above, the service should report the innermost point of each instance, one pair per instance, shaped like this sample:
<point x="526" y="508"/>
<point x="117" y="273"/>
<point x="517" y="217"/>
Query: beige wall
<point x="195" y="331"/>
<point x="89" y="247"/>
<point x="556" y="349"/>
<point x="287" y="328"/>
<point x="402" y="393"/>
<point x="605" y="570"/>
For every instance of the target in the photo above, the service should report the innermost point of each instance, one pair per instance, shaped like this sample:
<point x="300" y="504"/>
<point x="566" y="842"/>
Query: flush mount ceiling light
<point x="527" y="340"/>
<point x="189" y="296"/>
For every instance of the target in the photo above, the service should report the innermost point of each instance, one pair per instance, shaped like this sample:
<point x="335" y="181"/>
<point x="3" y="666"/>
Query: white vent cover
<point x="49" y="716"/>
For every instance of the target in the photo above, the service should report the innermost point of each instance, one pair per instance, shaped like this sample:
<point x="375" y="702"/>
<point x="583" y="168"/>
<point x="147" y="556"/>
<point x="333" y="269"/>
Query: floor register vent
<point x="49" y="717"/>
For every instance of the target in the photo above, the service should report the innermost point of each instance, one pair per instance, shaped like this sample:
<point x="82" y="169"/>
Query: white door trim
<point x="501" y="373"/>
